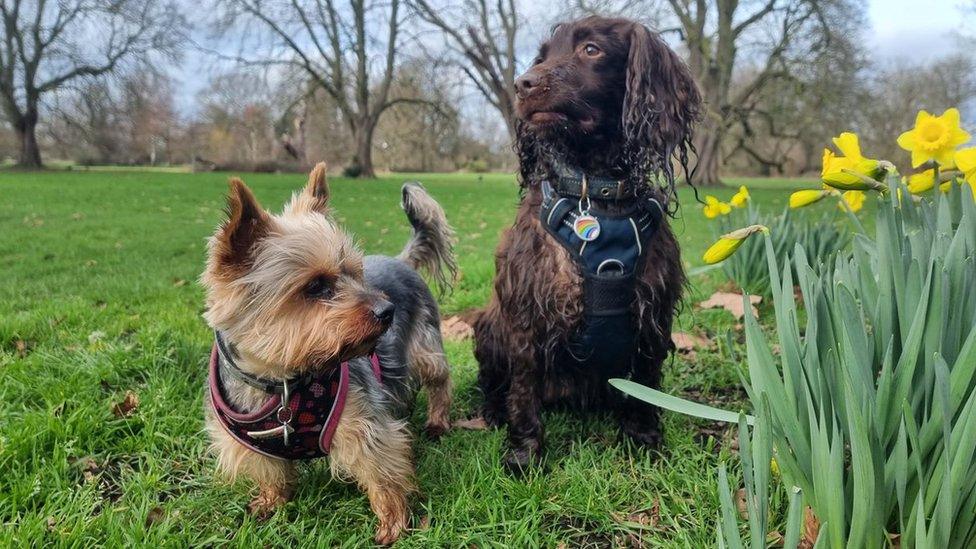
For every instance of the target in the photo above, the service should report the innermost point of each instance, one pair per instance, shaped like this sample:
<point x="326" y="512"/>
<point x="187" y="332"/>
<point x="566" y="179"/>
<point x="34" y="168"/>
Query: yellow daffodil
<point x="853" y="199"/>
<point x="945" y="187"/>
<point x="852" y="172"/>
<point x="934" y="138"/>
<point x="727" y="244"/>
<point x="921" y="182"/>
<point x="740" y="198"/>
<point x="715" y="207"/>
<point x="800" y="199"/>
<point x="966" y="161"/>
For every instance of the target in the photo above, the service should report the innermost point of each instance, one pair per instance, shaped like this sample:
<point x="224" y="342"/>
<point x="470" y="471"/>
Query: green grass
<point x="98" y="296"/>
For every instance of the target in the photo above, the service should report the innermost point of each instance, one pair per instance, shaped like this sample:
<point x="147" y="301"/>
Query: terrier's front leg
<point x="374" y="449"/>
<point x="274" y="477"/>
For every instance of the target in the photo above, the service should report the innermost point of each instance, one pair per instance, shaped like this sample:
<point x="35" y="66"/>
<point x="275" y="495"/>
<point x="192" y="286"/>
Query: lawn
<point x="98" y="297"/>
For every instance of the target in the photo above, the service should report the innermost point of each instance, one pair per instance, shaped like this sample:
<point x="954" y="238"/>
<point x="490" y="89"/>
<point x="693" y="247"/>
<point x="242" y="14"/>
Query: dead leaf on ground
<point x="741" y="504"/>
<point x="52" y="523"/>
<point x="645" y="518"/>
<point x="154" y="515"/>
<point x="456" y="329"/>
<point x="476" y="423"/>
<point x="87" y="465"/>
<point x="811" y="529"/>
<point x="178" y="282"/>
<point x="127" y="406"/>
<point x="731" y="303"/>
<point x="21" y="347"/>
<point x="424" y="522"/>
<point x="686" y="343"/>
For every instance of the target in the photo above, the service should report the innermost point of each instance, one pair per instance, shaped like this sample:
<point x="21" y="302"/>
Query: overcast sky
<point x="907" y="29"/>
<point x="903" y="28"/>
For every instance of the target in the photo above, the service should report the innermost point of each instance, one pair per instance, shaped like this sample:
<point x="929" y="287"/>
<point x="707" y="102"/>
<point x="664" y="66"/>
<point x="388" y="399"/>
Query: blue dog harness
<point x="609" y="250"/>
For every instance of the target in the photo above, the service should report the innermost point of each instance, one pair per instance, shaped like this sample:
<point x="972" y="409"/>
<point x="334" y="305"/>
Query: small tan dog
<point x="319" y="351"/>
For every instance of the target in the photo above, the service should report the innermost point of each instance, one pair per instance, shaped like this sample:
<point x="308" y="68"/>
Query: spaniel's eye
<point x="319" y="287"/>
<point x="592" y="50"/>
<point x="538" y="60"/>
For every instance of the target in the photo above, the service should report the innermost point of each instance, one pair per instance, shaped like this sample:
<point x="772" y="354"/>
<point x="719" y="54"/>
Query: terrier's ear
<point x="247" y="223"/>
<point x="315" y="196"/>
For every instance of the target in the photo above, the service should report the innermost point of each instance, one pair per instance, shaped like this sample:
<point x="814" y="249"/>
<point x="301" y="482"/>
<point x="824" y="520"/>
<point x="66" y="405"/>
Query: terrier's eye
<point x="538" y="60"/>
<point x="592" y="49"/>
<point x="319" y="287"/>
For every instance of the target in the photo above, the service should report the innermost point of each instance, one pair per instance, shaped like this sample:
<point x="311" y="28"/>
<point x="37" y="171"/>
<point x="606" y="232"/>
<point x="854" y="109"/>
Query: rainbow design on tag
<point x="587" y="228"/>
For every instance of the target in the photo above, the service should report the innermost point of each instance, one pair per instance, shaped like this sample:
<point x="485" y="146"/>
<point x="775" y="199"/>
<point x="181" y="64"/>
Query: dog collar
<point x="571" y="181"/>
<point x="273" y="386"/>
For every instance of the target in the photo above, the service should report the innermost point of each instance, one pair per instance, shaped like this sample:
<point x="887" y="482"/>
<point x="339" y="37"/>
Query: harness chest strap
<point x="289" y="425"/>
<point x="609" y="265"/>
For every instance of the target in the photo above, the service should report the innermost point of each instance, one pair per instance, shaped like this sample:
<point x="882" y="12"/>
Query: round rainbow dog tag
<point x="587" y="228"/>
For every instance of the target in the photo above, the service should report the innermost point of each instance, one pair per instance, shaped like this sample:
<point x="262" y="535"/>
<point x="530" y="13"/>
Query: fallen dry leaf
<point x="811" y="529"/>
<point x="686" y="343"/>
<point x="424" y="522"/>
<point x="456" y="329"/>
<point x="127" y="406"/>
<point x="741" y="504"/>
<point x="178" y="282"/>
<point x="476" y="423"/>
<point x="731" y="303"/>
<point x="154" y="515"/>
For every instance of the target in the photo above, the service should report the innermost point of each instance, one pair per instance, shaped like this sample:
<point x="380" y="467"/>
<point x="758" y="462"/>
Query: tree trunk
<point x="708" y="142"/>
<point x="29" y="153"/>
<point x="362" y="160"/>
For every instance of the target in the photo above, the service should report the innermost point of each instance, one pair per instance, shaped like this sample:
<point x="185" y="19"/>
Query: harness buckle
<point x="284" y="413"/>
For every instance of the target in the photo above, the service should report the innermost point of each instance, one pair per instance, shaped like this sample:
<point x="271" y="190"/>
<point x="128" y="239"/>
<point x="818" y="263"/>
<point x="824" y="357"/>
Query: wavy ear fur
<point x="247" y="223"/>
<point x="661" y="106"/>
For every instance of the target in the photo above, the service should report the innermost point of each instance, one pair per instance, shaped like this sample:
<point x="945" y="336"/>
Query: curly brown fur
<point x="291" y="294"/>
<point x="623" y="109"/>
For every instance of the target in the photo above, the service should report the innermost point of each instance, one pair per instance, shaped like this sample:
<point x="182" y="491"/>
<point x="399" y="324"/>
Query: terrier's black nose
<point x="383" y="311"/>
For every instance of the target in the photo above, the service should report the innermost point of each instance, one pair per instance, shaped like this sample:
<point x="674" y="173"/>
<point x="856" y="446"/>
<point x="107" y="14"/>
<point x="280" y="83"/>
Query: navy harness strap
<point x="609" y="265"/>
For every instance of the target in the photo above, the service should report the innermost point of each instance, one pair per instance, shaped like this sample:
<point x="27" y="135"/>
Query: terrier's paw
<point x="265" y="504"/>
<point x="390" y="529"/>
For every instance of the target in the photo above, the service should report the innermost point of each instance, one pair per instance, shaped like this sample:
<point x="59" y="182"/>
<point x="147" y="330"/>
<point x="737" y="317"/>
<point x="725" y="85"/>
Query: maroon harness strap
<point x="311" y="417"/>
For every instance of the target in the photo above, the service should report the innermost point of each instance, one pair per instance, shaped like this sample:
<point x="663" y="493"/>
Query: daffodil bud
<point x="727" y="244"/>
<point x="800" y="199"/>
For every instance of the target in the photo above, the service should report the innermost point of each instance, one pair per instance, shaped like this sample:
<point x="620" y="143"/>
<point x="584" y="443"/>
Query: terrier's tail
<point x="431" y="248"/>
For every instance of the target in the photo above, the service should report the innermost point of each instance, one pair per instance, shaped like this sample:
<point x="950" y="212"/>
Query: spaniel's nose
<point x="527" y="83"/>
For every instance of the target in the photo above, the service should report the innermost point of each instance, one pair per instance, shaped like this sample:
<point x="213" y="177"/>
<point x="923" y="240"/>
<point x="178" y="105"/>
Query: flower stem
<point x="850" y="213"/>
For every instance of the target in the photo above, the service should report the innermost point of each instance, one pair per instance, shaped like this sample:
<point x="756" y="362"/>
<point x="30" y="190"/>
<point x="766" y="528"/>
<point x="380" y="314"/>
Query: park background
<point x="124" y="120"/>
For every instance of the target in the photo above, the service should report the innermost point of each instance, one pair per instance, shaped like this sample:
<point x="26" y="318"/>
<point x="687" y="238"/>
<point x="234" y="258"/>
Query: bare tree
<point x="336" y="46"/>
<point x="484" y="33"/>
<point x="46" y="45"/>
<point x="723" y="35"/>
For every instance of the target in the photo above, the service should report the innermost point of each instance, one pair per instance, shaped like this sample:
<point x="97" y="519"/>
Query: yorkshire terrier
<point x="320" y="351"/>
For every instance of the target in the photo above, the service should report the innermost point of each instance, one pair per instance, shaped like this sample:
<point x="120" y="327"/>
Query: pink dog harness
<point x="296" y="423"/>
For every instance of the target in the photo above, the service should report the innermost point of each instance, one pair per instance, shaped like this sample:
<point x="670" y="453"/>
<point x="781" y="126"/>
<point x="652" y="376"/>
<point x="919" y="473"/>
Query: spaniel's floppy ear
<point x="247" y="223"/>
<point x="662" y="103"/>
<point x="315" y="196"/>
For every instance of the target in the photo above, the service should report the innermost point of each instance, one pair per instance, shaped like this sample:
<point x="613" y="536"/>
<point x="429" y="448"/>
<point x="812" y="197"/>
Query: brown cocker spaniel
<point x="604" y="114"/>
